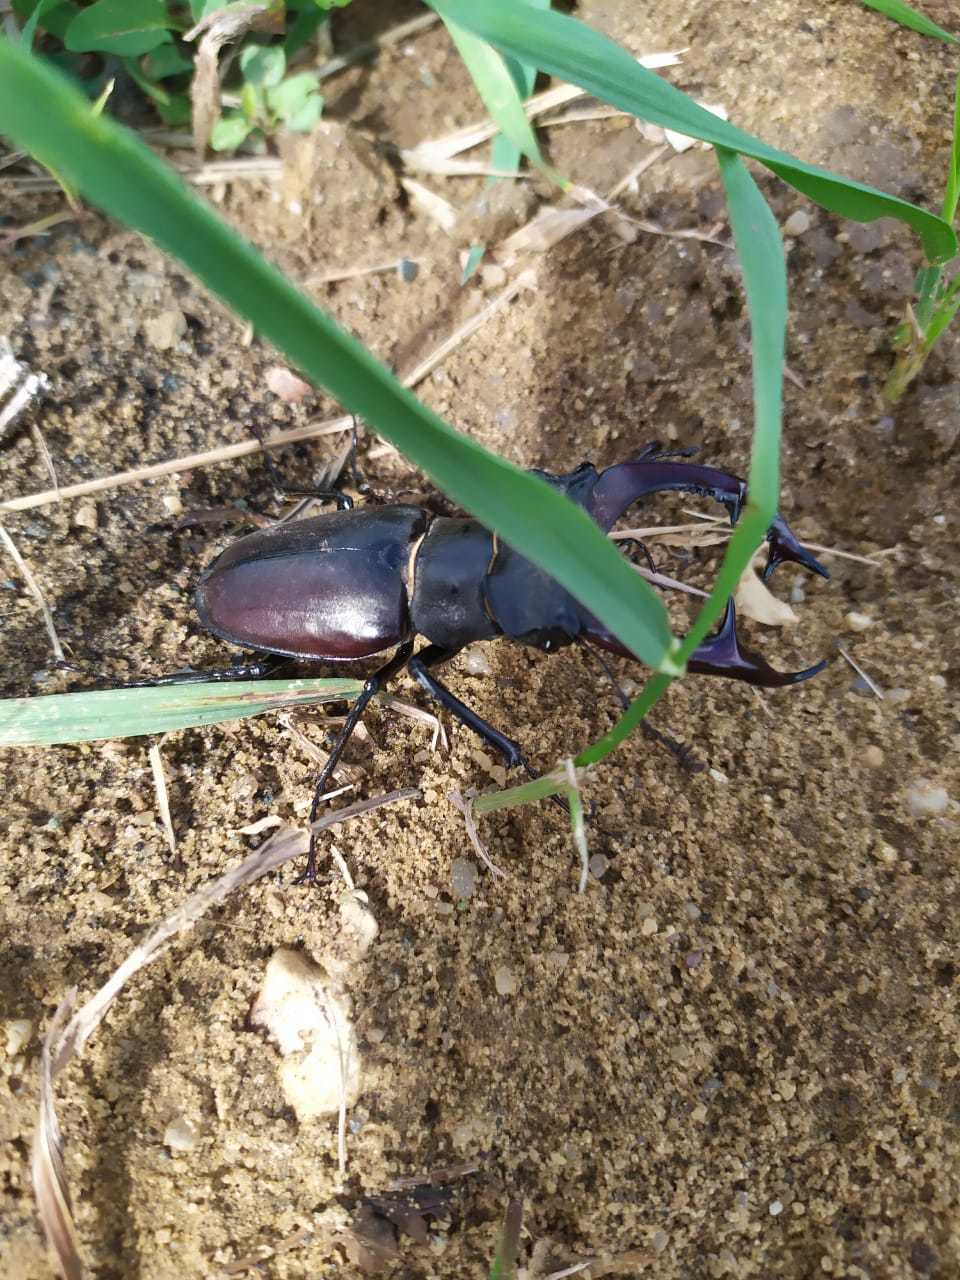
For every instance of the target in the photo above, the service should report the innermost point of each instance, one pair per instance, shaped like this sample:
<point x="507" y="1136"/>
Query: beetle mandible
<point x="357" y="582"/>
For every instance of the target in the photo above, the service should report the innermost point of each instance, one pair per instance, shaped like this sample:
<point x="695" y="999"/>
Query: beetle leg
<point x="682" y="750"/>
<point x="371" y="687"/>
<point x="431" y="656"/>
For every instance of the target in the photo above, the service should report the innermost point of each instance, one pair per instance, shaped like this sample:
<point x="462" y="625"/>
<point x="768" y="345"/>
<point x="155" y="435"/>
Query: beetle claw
<point x="722" y="655"/>
<point x="784" y="546"/>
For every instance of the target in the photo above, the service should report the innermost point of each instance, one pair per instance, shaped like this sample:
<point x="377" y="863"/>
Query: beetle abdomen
<point x="331" y="587"/>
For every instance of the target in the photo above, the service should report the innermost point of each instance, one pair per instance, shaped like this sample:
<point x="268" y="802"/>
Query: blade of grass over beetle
<point x="760" y="250"/>
<point x="45" y="115"/>
<point x="128" y="713"/>
<point x="908" y="17"/>
<point x="570" y="49"/>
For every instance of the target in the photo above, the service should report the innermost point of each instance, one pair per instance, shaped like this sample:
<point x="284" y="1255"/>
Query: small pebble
<point x="598" y="865"/>
<point x="874" y="757"/>
<point x="505" y="980"/>
<point x="926" y="800"/>
<point x="408" y="270"/>
<point x="172" y="504"/>
<point x="649" y="926"/>
<point x="691" y="911"/>
<point x="493" y="276"/>
<point x="463" y="878"/>
<point x="477" y="662"/>
<point x="858" y="621"/>
<point x="85" y="516"/>
<point x="776" y="1208"/>
<point x="797" y="595"/>
<point x="897" y="695"/>
<point x="180" y="1134"/>
<point x="18" y="1033"/>
<point x="939" y="682"/>
<point x="797" y="223"/>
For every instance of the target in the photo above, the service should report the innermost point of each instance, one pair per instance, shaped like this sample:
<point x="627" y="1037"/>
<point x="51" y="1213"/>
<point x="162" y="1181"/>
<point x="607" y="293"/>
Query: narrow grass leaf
<point x="508" y="1245"/>
<point x="909" y="17"/>
<point x="500" y="93"/>
<point x="128" y="713"/>
<point x="565" y="47"/>
<point x="953" y="173"/>
<point x="46" y="116"/>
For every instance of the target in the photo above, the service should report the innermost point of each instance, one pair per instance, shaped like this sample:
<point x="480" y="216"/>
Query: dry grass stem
<point x="163" y="798"/>
<point x="727" y="533"/>
<point x="439" y="210"/>
<point x="570" y="1271"/>
<point x="425" y="717"/>
<point x="34" y="588"/>
<point x="472" y="135"/>
<point x="446" y="1173"/>
<point x="576" y="817"/>
<point x="354" y="273"/>
<point x="45" y="457"/>
<point x="337" y="858"/>
<point x="465" y="804"/>
<point x="67" y="1038"/>
<point x="874" y="688"/>
<point x="46" y="1166"/>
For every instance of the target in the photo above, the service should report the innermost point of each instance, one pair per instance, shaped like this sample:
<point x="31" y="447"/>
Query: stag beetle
<point x="354" y="583"/>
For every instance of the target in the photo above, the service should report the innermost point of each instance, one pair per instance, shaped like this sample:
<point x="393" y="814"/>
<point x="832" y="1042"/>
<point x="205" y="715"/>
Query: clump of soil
<point x="736" y="1053"/>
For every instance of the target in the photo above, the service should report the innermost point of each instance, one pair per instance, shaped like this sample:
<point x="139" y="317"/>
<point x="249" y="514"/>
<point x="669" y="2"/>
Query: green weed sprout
<point x="937" y="294"/>
<point x="270" y="99"/>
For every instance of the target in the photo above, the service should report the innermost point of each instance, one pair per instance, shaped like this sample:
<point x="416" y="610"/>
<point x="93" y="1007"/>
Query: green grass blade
<point x="508" y="1245"/>
<point x="45" y="115"/>
<point x="908" y="17"/>
<point x="501" y="96"/>
<point x="953" y="172"/>
<point x="760" y="250"/>
<point x="565" y="47"/>
<point x="129" y="713"/>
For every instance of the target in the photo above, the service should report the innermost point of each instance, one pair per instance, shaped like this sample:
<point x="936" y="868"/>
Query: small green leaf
<point x="907" y="17"/>
<point x="165" y="61"/>
<point x="30" y="27"/>
<point x="288" y="98"/>
<point x="127" y="27"/>
<point x="253" y="104"/>
<point x="303" y="121"/>
<point x="229" y="132"/>
<point x="263" y="65"/>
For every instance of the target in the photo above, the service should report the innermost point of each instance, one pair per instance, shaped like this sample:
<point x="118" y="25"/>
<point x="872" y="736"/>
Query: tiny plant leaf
<point x="127" y="27"/>
<point x="263" y="65"/>
<point x="230" y="131"/>
<point x="287" y="99"/>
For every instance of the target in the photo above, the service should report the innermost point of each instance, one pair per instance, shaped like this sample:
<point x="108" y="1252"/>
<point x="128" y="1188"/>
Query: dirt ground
<point x="738" y="1053"/>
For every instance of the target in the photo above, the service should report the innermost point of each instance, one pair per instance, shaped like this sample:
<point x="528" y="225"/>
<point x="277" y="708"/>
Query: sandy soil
<point x="738" y="1053"/>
